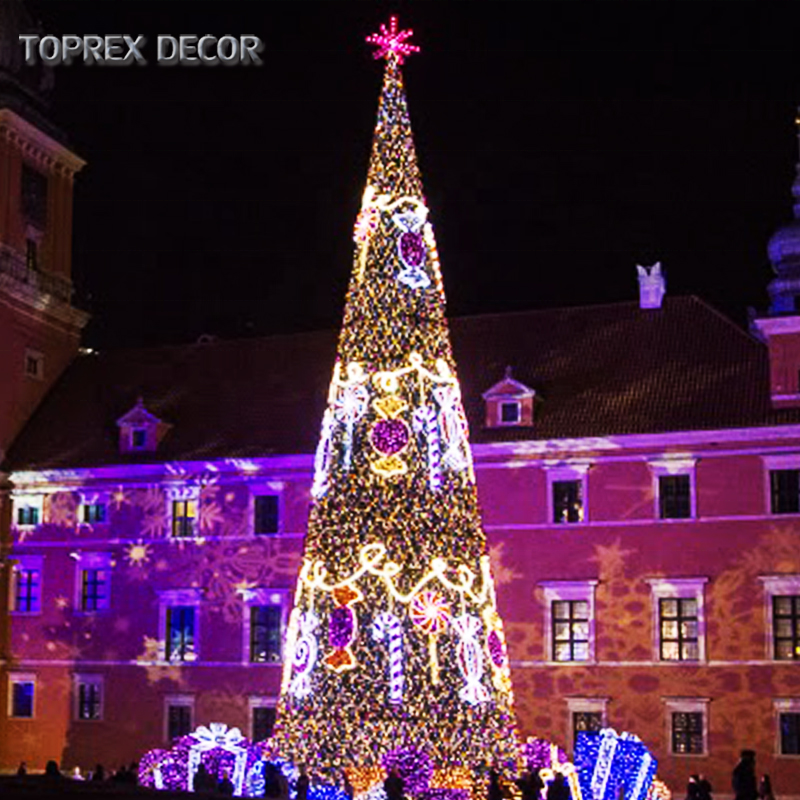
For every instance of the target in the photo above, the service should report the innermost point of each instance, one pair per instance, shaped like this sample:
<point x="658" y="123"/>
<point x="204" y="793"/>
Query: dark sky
<point x="561" y="143"/>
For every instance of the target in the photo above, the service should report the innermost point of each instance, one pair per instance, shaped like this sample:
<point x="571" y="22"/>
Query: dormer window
<point x="510" y="412"/>
<point x="139" y="430"/>
<point x="509" y="403"/>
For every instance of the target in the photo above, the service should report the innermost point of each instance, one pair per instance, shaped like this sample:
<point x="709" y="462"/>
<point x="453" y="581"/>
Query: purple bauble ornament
<point x="496" y="649"/>
<point x="340" y="628"/>
<point x="412" y="249"/>
<point x="389" y="436"/>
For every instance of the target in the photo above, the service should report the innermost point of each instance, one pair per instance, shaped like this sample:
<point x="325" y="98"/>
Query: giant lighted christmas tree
<point x="394" y="642"/>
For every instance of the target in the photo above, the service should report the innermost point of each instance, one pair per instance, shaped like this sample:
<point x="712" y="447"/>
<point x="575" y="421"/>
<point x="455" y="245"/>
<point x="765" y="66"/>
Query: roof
<point x="597" y="371"/>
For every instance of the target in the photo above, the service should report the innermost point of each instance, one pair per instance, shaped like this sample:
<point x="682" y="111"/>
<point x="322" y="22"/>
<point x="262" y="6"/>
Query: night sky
<point x="559" y="148"/>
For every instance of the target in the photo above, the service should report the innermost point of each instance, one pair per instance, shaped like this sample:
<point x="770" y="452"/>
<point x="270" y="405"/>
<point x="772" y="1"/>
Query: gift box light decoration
<point x="608" y="762"/>
<point x="220" y="749"/>
<point x="394" y="643"/>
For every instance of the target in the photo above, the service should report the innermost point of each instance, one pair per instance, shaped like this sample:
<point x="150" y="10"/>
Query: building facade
<point x="638" y="465"/>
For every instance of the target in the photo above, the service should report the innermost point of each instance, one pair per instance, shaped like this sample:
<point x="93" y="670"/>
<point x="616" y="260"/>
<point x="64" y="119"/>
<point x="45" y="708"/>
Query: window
<point x="26" y="585"/>
<point x="264" y="618"/>
<point x="570" y="630"/>
<point x="265" y="634"/>
<point x="675" y="494"/>
<point x="782" y="595"/>
<point x="138" y="438"/>
<point x="509" y="412"/>
<point x="34" y="196"/>
<point x="29" y="510"/>
<point x="678" y="618"/>
<point x="178" y="716"/>
<point x="687" y="720"/>
<point x="678" y="634"/>
<point x="570" y="620"/>
<point x="787" y="713"/>
<point x="566" y="492"/>
<point x="184" y="514"/>
<point x="179" y="625"/>
<point x="687" y="732"/>
<point x="180" y="633"/>
<point x="674" y="497"/>
<point x="88" y="697"/>
<point x="785" y="627"/>
<point x="266" y="508"/>
<point x="784" y="487"/>
<point x="93" y="581"/>
<point x="262" y="718"/>
<point x="586" y="721"/>
<point x="94" y="589"/>
<point x="94" y="512"/>
<point x="21" y="693"/>
<point x="567" y="501"/>
<point x="34" y="365"/>
<point x="586" y="714"/>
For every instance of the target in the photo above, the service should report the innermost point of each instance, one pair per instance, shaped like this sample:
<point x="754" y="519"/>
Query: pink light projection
<point x="390" y="40"/>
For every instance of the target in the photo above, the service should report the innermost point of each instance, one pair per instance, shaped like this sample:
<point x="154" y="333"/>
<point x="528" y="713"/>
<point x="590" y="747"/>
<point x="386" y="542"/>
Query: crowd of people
<point x="744" y="781"/>
<point x="125" y="774"/>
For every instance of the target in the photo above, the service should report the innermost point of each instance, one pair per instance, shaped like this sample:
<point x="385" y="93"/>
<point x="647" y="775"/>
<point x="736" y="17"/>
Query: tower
<point x="40" y="327"/>
<point x="781" y="328"/>
<point x="395" y="651"/>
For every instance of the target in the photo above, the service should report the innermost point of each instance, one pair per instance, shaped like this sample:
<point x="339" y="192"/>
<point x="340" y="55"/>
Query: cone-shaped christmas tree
<point x="394" y="643"/>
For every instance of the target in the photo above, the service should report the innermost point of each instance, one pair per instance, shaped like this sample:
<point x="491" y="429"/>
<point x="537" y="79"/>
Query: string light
<point x="394" y="642"/>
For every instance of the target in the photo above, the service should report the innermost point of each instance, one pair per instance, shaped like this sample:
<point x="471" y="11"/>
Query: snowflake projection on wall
<point x="504" y="573"/>
<point x="222" y="568"/>
<point x="137" y="554"/>
<point x="210" y="512"/>
<point x="153" y="504"/>
<point x="156" y="669"/>
<point x="61" y="509"/>
<point x="119" y="498"/>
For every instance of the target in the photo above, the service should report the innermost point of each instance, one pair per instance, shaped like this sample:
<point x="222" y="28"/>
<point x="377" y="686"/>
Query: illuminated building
<point x="638" y="467"/>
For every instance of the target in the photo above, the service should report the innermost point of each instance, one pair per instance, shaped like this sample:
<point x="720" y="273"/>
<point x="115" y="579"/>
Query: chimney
<point x="652" y="286"/>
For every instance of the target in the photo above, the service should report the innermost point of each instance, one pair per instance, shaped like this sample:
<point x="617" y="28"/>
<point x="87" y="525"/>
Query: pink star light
<point x="392" y="41"/>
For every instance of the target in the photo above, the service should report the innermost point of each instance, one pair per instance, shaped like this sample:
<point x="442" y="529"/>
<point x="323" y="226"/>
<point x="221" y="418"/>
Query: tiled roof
<point x="597" y="371"/>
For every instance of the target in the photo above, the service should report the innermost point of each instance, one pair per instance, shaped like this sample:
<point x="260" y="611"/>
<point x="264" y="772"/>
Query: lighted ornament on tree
<point x="394" y="643"/>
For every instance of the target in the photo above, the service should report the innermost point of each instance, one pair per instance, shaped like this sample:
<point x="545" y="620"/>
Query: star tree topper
<point x="390" y="40"/>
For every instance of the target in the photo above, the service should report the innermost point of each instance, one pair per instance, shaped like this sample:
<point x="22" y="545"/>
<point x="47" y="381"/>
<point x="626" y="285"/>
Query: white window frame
<point x="263" y="597"/>
<point x="567" y="472"/>
<point x="273" y="489"/>
<point x="25" y="500"/>
<point x="680" y="589"/>
<point x="25" y="562"/>
<point x="686" y="705"/>
<point x="254" y="702"/>
<point x="91" y="561"/>
<point x="93" y="679"/>
<point x="173" y="598"/>
<point x="775" y="586"/>
<point x="568" y="590"/>
<point x="38" y="357"/>
<point x="183" y="700"/>
<point x="774" y="463"/>
<point x="586" y="705"/>
<point x="21" y="677"/>
<point x="784" y="705"/>
<point x="664" y="467"/>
